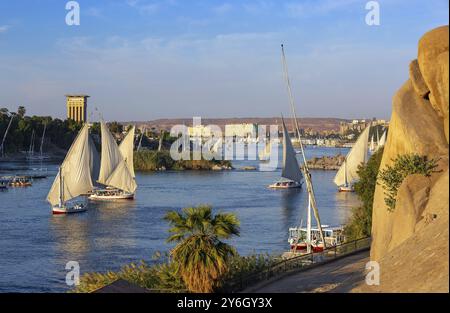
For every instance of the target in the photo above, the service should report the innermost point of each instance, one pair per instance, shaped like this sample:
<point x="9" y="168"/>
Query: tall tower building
<point x="77" y="107"/>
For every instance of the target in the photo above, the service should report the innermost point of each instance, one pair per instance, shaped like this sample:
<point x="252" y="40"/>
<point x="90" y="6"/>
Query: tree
<point x="201" y="256"/>
<point x="21" y="111"/>
<point x="115" y="127"/>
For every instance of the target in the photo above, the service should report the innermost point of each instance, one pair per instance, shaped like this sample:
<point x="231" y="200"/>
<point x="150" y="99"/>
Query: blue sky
<point x="147" y="59"/>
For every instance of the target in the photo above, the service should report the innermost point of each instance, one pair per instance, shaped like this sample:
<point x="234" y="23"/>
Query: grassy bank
<point x="148" y="160"/>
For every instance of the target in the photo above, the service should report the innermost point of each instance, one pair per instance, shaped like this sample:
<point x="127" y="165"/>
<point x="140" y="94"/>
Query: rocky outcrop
<point x="416" y="232"/>
<point x="326" y="162"/>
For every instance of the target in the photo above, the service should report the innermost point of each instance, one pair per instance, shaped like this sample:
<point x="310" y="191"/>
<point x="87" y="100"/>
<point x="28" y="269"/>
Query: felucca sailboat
<point x="75" y="175"/>
<point x="311" y="238"/>
<point x="291" y="176"/>
<point x="347" y="173"/>
<point x="116" y="167"/>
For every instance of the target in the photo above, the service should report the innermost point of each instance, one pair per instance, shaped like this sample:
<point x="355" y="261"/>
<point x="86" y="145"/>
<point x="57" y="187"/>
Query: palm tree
<point x="200" y="254"/>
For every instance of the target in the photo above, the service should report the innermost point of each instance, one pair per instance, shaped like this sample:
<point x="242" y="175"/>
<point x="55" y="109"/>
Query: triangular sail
<point x="76" y="169"/>
<point x="372" y="144"/>
<point x="111" y="155"/>
<point x="382" y="140"/>
<point x="291" y="169"/>
<point x="357" y="155"/>
<point x="121" y="178"/>
<point x="126" y="148"/>
<point x="95" y="161"/>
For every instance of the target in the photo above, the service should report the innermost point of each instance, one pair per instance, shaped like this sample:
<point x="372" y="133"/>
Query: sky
<point x="147" y="59"/>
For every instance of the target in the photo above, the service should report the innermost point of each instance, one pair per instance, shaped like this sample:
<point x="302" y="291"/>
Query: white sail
<point x="291" y="169"/>
<point x="76" y="170"/>
<point x="111" y="155"/>
<point x="126" y="148"/>
<point x="372" y="144"/>
<point x="121" y="178"/>
<point x="347" y="173"/>
<point x="382" y="139"/>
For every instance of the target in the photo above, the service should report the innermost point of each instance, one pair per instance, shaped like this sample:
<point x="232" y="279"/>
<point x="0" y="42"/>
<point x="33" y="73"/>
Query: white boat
<point x="291" y="176"/>
<point x="298" y="237"/>
<point x="74" y="175"/>
<point x="116" y="168"/>
<point x="348" y="172"/>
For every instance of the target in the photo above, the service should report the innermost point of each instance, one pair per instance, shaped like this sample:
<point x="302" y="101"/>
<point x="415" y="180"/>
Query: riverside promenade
<point x="340" y="275"/>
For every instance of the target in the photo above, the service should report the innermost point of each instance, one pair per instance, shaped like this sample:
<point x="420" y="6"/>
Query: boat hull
<point x="302" y="247"/>
<point x="124" y="196"/>
<point x="56" y="210"/>
<point x="346" y="189"/>
<point x="285" y="186"/>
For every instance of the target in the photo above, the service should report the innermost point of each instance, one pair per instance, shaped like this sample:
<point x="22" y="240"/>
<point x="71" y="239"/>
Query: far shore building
<point x="77" y="107"/>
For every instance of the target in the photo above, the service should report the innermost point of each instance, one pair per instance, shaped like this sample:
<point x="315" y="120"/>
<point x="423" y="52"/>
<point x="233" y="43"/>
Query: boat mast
<point x="42" y="141"/>
<point x="345" y="172"/>
<point x="140" y="140"/>
<point x="306" y="172"/>
<point x="308" y="227"/>
<point x="61" y="188"/>
<point x="2" y="147"/>
<point x="31" y="149"/>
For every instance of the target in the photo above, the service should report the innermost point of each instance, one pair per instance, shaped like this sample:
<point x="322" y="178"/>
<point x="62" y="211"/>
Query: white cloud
<point x="4" y="28"/>
<point x="223" y="8"/>
<point x="144" y="7"/>
<point x="313" y="7"/>
<point x="94" y="12"/>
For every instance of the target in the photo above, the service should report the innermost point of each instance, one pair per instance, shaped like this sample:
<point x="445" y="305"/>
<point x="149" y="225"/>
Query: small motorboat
<point x="20" y="181"/>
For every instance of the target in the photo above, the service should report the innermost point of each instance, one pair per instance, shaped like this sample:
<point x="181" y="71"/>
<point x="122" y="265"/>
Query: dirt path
<point x="341" y="275"/>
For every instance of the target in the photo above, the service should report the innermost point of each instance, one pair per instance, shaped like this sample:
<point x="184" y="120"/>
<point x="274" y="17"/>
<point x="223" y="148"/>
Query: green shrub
<point x="392" y="177"/>
<point x="360" y="223"/>
<point x="163" y="276"/>
<point x="242" y="266"/>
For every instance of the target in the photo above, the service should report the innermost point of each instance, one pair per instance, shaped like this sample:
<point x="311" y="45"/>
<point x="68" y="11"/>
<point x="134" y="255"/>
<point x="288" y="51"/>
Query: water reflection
<point x="292" y="206"/>
<point x="347" y="201"/>
<point x="71" y="234"/>
<point x="102" y="229"/>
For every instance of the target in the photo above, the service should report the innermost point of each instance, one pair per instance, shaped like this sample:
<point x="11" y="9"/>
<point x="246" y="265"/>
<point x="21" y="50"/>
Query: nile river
<point x="35" y="246"/>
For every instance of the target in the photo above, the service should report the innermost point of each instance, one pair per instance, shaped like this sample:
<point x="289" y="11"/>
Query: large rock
<point x="420" y="263"/>
<point x="419" y="124"/>
<point x="433" y="63"/>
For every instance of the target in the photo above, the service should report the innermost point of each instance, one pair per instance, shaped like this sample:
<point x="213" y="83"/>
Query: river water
<point x="35" y="246"/>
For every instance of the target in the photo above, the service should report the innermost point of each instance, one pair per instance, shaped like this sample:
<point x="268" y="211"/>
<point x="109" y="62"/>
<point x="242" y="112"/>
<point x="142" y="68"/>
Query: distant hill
<point x="315" y="124"/>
